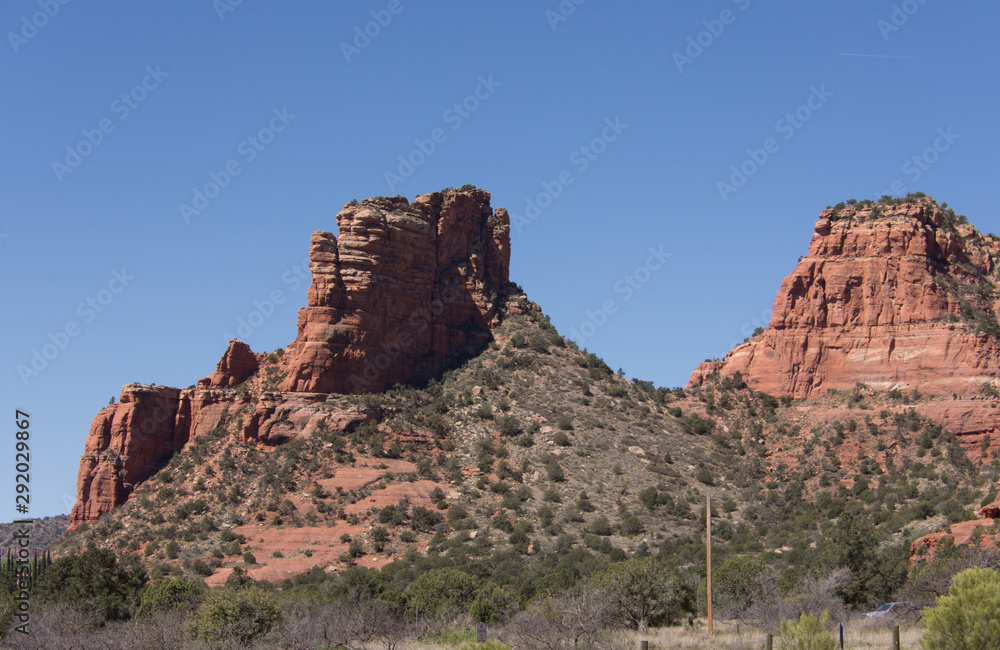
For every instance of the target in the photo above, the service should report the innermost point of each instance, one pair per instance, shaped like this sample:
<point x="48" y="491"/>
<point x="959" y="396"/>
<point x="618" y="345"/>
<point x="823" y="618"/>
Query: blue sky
<point x="619" y="119"/>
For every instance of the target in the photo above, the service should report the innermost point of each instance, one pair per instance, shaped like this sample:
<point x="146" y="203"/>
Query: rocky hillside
<point x="497" y="433"/>
<point x="895" y="296"/>
<point x="408" y="290"/>
<point x="44" y="531"/>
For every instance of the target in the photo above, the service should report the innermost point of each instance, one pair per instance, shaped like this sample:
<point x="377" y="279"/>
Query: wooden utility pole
<point x="708" y="552"/>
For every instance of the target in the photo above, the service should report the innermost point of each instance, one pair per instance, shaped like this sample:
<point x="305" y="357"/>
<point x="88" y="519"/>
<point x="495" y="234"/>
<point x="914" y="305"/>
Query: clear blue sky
<point x="172" y="92"/>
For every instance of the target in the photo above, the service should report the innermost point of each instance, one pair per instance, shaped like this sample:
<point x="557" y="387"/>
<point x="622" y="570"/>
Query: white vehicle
<point x="891" y="610"/>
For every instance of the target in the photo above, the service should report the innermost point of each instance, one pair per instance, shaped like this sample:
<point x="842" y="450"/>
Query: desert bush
<point x="494" y="604"/>
<point x="235" y="617"/>
<point x="581" y="619"/>
<point x="969" y="616"/>
<point x="644" y="592"/>
<point x="808" y="633"/>
<point x="442" y="593"/>
<point x="745" y="589"/>
<point x="508" y="425"/>
<point x="167" y="594"/>
<point x="94" y="581"/>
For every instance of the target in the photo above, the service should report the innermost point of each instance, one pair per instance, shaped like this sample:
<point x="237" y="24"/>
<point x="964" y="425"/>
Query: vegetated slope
<point x="43" y="531"/>
<point x="403" y="292"/>
<point x="537" y="451"/>
<point x="538" y="447"/>
<point x="532" y="430"/>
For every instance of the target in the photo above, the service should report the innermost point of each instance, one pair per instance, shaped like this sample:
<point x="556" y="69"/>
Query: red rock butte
<point x="406" y="291"/>
<point x="897" y="296"/>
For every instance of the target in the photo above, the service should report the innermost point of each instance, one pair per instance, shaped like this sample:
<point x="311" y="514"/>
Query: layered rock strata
<point x="892" y="296"/>
<point x="404" y="292"/>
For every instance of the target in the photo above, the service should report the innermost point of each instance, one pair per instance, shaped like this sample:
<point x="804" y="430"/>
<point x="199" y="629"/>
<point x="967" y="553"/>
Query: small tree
<point x="442" y="593"/>
<point x="165" y="594"/>
<point x="746" y="589"/>
<point x="235" y="616"/>
<point x="809" y="633"/>
<point x="95" y="582"/>
<point x="643" y="590"/>
<point x="580" y="618"/>
<point x="969" y="616"/>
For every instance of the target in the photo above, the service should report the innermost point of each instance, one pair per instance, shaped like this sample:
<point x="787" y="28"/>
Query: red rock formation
<point x="408" y="289"/>
<point x="236" y="365"/>
<point x="879" y="300"/>
<point x="405" y="291"/>
<point x="990" y="511"/>
<point x="127" y="442"/>
<point x="924" y="548"/>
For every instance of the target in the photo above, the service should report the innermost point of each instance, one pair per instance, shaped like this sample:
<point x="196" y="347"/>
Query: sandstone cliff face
<point x="236" y="365"/>
<point x="409" y="289"/>
<point x="895" y="296"/>
<point x="406" y="290"/>
<point x="127" y="442"/>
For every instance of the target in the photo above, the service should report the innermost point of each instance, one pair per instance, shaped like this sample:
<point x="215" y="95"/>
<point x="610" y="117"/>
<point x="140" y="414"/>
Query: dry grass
<point x="857" y="636"/>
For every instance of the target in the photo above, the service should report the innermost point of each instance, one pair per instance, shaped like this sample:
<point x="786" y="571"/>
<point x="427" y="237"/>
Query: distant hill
<point x="44" y="531"/>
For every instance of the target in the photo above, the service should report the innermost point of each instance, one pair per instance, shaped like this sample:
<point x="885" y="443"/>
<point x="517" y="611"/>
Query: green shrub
<point x="508" y="425"/>
<point x="615" y="390"/>
<point x="234" y="616"/>
<point x="164" y="595"/>
<point x="554" y="471"/>
<point x="969" y="616"/>
<point x="109" y="588"/>
<point x="441" y="593"/>
<point x="201" y="568"/>
<point x="808" y="633"/>
<point x="698" y="426"/>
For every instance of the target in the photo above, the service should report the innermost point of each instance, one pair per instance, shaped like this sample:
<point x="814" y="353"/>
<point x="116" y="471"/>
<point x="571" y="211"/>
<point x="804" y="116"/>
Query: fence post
<point x="644" y="645"/>
<point x="841" y="636"/>
<point x="769" y="642"/>
<point x="895" y="637"/>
